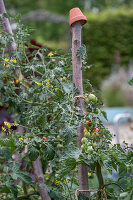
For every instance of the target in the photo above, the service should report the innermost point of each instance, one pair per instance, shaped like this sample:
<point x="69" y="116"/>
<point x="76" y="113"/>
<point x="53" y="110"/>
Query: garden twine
<point x="90" y="190"/>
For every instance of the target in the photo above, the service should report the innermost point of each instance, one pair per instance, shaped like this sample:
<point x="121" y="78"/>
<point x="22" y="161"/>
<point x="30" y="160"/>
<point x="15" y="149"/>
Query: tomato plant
<point x="41" y="100"/>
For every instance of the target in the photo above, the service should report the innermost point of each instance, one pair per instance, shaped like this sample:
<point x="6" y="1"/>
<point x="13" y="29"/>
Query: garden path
<point x="125" y="132"/>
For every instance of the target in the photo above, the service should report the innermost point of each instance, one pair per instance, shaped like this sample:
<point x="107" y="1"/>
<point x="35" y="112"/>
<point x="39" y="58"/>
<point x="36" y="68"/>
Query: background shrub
<point x="107" y="35"/>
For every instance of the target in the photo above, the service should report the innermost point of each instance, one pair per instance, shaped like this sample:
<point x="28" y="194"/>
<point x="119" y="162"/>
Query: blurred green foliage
<point x="47" y="33"/>
<point x="106" y="35"/>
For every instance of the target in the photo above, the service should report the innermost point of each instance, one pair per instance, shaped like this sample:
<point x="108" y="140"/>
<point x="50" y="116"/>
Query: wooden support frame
<point x="76" y="28"/>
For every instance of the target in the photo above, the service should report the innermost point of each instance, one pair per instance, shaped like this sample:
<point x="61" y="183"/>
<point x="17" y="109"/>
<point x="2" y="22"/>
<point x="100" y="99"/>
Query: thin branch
<point x="26" y="196"/>
<point x="114" y="184"/>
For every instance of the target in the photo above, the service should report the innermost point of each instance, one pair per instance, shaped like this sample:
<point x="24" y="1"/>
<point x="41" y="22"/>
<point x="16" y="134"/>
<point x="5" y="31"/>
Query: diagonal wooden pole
<point x="7" y="27"/>
<point x="76" y="27"/>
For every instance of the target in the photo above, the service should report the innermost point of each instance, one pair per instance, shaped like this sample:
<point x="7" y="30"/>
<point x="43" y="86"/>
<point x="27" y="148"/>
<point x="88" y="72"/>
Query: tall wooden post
<point x="77" y="19"/>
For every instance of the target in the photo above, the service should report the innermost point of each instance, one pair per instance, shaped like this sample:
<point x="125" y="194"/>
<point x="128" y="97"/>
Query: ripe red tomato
<point x="88" y="122"/>
<point x="44" y="138"/>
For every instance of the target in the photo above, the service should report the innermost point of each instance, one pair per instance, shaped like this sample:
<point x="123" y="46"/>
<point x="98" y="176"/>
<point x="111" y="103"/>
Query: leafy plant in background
<point x="116" y="91"/>
<point x="104" y="45"/>
<point x="42" y="100"/>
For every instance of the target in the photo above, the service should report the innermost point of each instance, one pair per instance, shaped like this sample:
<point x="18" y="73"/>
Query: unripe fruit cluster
<point x="91" y="98"/>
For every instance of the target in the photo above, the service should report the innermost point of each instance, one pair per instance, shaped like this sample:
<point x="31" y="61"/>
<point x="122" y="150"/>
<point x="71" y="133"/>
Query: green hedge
<point x="104" y="35"/>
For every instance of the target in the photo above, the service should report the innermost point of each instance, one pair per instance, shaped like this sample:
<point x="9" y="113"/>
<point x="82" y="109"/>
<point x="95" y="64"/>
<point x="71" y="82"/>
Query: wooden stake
<point x="37" y="167"/>
<point x="77" y="79"/>
<point x="7" y="27"/>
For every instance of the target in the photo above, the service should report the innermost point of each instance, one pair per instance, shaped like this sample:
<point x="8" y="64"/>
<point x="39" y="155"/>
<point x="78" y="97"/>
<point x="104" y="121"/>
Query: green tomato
<point x="89" y="149"/>
<point x="97" y="111"/>
<point x="58" y="137"/>
<point x="89" y="144"/>
<point x="84" y="140"/>
<point x="92" y="97"/>
<point x="59" y="146"/>
<point x="87" y="100"/>
<point x="94" y="144"/>
<point x="87" y="134"/>
<point x="83" y="147"/>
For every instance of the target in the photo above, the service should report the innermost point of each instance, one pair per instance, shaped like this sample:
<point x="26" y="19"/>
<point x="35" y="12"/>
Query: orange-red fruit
<point x="97" y="129"/>
<point x="4" y="80"/>
<point x="94" y="130"/>
<point x="88" y="122"/>
<point x="44" y="138"/>
<point x="85" y="130"/>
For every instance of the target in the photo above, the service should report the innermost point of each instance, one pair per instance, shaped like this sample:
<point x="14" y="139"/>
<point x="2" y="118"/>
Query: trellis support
<point x="77" y="19"/>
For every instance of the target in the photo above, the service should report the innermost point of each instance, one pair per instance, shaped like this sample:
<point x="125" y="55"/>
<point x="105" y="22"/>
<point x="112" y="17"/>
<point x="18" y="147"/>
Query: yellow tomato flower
<point x="17" y="81"/>
<point x="56" y="89"/>
<point x="3" y="129"/>
<point x="89" y="173"/>
<point x="13" y="60"/>
<point x="20" y="139"/>
<point x="4" y="197"/>
<point x="38" y="83"/>
<point x="7" y="124"/>
<point x="50" y="54"/>
<point x="6" y="59"/>
<point x="7" y="66"/>
<point x="15" y="124"/>
<point x="53" y="60"/>
<point x="48" y="79"/>
<point x="48" y="84"/>
<point x="57" y="182"/>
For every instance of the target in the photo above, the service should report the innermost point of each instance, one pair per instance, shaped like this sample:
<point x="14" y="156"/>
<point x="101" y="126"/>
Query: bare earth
<point x="125" y="132"/>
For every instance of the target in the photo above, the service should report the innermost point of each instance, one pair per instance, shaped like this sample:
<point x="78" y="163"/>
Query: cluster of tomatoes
<point x="92" y="132"/>
<point x="87" y="145"/>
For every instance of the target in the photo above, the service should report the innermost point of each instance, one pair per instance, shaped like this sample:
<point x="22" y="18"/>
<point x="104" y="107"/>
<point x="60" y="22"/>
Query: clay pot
<point x="77" y="15"/>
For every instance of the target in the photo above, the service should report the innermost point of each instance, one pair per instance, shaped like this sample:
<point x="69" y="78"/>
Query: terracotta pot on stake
<point x="77" y="19"/>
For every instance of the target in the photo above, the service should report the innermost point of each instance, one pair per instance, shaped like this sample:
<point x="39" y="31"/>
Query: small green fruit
<point x="92" y="98"/>
<point x="89" y="149"/>
<point x="96" y="111"/>
<point x="58" y="137"/>
<point x="59" y="146"/>
<point x="87" y="134"/>
<point x="94" y="145"/>
<point x="84" y="140"/>
<point x="87" y="100"/>
<point x="83" y="147"/>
